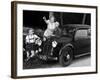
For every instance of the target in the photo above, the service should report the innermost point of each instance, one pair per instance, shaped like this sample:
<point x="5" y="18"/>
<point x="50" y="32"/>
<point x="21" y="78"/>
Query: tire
<point x="66" y="56"/>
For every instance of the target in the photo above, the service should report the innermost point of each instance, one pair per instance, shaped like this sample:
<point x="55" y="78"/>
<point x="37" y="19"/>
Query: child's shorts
<point x="31" y="46"/>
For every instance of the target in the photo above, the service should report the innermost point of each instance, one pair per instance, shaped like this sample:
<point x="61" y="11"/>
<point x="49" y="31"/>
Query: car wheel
<point x="66" y="56"/>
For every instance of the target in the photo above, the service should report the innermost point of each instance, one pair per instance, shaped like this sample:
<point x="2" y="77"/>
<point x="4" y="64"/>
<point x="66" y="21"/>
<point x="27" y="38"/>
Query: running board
<point x="82" y="54"/>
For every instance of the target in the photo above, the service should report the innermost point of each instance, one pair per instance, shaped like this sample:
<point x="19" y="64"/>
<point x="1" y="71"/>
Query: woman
<point x="52" y="25"/>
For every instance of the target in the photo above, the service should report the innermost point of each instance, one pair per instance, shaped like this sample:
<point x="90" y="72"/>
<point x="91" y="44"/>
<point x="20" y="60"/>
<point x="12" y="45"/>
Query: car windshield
<point x="68" y="31"/>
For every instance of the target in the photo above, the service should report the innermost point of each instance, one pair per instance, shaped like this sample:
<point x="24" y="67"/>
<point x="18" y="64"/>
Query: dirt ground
<point x="34" y="63"/>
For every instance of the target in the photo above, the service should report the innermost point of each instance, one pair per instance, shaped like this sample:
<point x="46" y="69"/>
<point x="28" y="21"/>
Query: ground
<point x="36" y="63"/>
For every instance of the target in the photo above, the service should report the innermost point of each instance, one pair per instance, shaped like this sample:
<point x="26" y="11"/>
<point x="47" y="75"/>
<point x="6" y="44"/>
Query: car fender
<point x="67" y="45"/>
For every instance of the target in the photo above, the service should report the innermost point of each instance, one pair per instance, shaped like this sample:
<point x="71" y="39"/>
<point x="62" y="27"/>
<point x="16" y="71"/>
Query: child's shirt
<point x="31" y="38"/>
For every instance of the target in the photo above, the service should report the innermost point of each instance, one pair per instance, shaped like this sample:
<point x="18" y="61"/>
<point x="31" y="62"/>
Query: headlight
<point x="54" y="44"/>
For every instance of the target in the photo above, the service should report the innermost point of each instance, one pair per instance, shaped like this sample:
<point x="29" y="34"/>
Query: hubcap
<point x="68" y="56"/>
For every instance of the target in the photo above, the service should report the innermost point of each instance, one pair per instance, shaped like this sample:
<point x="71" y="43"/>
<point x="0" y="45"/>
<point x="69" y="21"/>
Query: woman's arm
<point x="57" y="24"/>
<point x="46" y="21"/>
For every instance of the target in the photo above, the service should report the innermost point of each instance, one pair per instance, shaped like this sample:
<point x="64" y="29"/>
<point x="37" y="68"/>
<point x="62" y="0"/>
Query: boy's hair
<point x="31" y="30"/>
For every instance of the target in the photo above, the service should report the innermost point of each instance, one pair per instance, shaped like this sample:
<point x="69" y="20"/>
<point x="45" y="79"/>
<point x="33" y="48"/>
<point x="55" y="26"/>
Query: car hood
<point x="64" y="40"/>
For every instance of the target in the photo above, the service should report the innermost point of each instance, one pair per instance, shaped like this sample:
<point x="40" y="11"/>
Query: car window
<point x="81" y="34"/>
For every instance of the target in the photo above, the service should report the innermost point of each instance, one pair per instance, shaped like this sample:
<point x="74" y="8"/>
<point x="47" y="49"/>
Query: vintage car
<point x="71" y="41"/>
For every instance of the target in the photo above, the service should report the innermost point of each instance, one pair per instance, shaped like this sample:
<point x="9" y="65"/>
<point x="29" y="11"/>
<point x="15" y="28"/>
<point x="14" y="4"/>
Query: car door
<point x="82" y="41"/>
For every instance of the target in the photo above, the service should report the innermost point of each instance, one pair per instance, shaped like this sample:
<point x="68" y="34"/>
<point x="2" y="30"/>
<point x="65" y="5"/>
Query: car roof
<point x="76" y="26"/>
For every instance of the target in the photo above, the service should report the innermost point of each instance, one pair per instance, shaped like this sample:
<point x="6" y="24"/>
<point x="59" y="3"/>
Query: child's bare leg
<point x="36" y="51"/>
<point x="32" y="53"/>
<point x="44" y="38"/>
<point x="40" y="50"/>
<point x="27" y="54"/>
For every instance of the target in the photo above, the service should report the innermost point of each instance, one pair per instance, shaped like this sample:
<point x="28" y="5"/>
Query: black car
<point x="71" y="41"/>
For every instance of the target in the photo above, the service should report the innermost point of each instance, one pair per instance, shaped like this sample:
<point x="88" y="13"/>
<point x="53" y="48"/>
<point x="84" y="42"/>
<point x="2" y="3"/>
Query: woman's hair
<point x="53" y="17"/>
